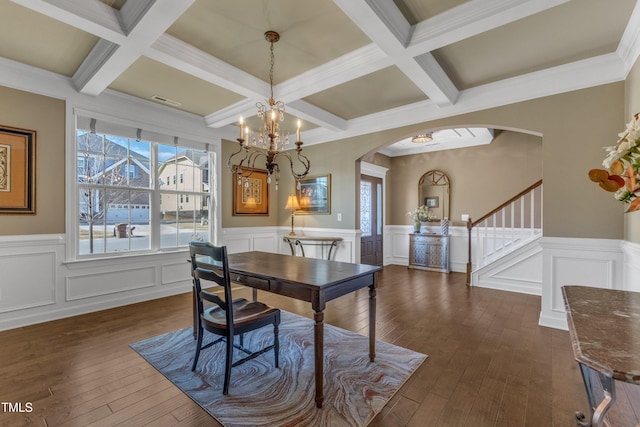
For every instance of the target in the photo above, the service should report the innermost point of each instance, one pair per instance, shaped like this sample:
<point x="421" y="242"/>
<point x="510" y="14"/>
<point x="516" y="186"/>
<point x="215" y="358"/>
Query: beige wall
<point x="47" y="117"/>
<point x="574" y="128"/>
<point x="481" y="177"/>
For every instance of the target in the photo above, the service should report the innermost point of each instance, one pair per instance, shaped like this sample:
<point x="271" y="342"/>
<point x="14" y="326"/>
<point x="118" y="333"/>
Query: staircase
<point x="510" y="230"/>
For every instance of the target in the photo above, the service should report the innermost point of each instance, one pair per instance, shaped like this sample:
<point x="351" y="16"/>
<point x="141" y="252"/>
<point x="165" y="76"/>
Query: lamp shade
<point x="292" y="202"/>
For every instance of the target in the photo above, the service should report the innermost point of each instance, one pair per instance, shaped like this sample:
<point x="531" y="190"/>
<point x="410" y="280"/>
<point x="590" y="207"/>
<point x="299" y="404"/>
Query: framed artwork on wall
<point x="17" y="171"/>
<point x="314" y="195"/>
<point x="251" y="195"/>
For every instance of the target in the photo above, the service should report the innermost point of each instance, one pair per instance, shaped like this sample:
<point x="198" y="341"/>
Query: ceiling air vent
<point x="166" y="100"/>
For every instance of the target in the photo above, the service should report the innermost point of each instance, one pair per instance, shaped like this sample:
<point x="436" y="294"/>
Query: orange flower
<point x="616" y="168"/>
<point x="635" y="205"/>
<point x="606" y="181"/>
<point x="631" y="179"/>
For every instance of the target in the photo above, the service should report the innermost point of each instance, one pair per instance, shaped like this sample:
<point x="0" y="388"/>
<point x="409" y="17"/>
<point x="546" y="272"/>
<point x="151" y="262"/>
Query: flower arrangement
<point x="421" y="214"/>
<point x="621" y="175"/>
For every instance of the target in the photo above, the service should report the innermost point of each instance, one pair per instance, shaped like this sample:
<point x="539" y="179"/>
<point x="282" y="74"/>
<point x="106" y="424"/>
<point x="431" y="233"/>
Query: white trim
<point x="373" y="170"/>
<point x="576" y="261"/>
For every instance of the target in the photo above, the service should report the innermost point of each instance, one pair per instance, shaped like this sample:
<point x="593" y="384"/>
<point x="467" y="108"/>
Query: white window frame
<point x="156" y="137"/>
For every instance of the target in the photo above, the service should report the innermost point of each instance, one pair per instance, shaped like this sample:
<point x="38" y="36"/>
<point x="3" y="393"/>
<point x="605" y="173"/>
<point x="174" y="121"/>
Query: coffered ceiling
<point x="345" y="67"/>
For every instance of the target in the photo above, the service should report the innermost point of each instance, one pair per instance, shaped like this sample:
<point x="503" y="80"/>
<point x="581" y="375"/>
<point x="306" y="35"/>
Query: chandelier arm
<point x="230" y="160"/>
<point x="303" y="160"/>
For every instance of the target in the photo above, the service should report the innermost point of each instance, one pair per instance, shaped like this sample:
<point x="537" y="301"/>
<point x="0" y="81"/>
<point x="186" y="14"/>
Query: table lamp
<point x="292" y="203"/>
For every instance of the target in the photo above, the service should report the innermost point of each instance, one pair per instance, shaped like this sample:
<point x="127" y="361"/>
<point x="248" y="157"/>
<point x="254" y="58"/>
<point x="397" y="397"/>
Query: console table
<point x="604" y="325"/>
<point x="300" y="241"/>
<point x="429" y="252"/>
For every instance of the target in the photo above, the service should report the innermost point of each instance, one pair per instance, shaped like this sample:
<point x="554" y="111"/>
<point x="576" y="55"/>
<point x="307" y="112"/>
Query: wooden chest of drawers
<point x="429" y="252"/>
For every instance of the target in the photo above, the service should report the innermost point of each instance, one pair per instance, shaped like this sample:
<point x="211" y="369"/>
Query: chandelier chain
<point x="271" y="70"/>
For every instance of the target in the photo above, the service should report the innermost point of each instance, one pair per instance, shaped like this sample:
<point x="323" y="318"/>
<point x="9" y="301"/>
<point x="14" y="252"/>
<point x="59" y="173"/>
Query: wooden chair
<point x="223" y="319"/>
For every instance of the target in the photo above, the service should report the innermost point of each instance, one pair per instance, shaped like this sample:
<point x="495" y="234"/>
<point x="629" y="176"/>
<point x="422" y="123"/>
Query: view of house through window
<point x="120" y="205"/>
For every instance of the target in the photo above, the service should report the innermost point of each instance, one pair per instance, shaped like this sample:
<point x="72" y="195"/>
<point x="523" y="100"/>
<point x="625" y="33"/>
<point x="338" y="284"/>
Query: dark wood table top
<point x="308" y="271"/>
<point x="604" y="325"/>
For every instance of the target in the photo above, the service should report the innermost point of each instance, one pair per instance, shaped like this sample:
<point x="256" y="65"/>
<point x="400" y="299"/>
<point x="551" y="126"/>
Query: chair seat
<point x="244" y="312"/>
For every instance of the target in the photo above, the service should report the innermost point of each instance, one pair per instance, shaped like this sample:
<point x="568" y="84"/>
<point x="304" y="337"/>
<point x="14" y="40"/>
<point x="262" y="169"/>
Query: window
<point x="119" y="206"/>
<point x="186" y="211"/>
<point x="80" y="166"/>
<point x="130" y="171"/>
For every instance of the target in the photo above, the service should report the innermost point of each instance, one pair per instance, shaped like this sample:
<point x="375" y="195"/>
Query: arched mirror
<point x="433" y="192"/>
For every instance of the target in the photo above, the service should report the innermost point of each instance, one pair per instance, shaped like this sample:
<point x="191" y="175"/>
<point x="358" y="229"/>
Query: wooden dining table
<point x="316" y="281"/>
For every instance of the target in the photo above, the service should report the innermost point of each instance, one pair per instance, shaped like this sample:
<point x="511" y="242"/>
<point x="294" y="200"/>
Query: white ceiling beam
<point x="578" y="75"/>
<point x="320" y="117"/>
<point x="91" y="16"/>
<point x="383" y="23"/>
<point x="629" y="46"/>
<point x="144" y="23"/>
<point x="177" y="54"/>
<point x="230" y="114"/>
<point x="358" y="63"/>
<point x="438" y="86"/>
<point x="470" y="19"/>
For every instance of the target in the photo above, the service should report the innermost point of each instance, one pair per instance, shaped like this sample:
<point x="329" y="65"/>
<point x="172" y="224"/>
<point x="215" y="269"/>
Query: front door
<point x="371" y="220"/>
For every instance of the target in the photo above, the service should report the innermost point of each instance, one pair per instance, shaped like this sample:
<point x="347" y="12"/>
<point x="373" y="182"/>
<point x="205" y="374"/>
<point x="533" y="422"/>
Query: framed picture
<point x="17" y="171"/>
<point x="251" y="195"/>
<point x="314" y="195"/>
<point x="432" y="202"/>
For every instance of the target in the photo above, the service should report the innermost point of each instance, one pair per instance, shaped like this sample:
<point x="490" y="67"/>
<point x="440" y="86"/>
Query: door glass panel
<point x="379" y="209"/>
<point x="365" y="208"/>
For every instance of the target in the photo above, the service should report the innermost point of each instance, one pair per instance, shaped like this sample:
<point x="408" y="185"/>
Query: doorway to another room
<point x="371" y="222"/>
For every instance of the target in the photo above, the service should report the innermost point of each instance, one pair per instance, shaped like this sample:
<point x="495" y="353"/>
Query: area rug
<point x="355" y="390"/>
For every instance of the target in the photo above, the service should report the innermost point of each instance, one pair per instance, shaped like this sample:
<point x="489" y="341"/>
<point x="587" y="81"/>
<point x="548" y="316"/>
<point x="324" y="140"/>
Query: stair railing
<point x="507" y="227"/>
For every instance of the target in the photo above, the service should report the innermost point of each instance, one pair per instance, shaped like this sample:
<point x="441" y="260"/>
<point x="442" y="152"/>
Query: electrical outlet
<point x="339" y="216"/>
<point x="464" y="217"/>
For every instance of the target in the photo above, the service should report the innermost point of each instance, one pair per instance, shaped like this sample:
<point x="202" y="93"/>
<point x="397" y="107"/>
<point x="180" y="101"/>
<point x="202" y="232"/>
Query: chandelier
<point x="422" y="138"/>
<point x="268" y="143"/>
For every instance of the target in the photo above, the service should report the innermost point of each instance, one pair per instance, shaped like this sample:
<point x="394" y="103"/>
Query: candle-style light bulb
<point x="241" y="121"/>
<point x="273" y="121"/>
<point x="246" y="135"/>
<point x="298" y="131"/>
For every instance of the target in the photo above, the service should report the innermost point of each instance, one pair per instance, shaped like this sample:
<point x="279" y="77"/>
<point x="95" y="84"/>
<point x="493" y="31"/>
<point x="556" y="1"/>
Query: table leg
<point x="372" y="321"/>
<point x="318" y="335"/>
<point x="334" y="244"/>
<point x="293" y="250"/>
<point x="599" y="411"/>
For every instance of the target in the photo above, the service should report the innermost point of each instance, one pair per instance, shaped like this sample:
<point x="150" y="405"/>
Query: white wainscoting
<point x="570" y="261"/>
<point x="631" y="273"/>
<point x="270" y="239"/>
<point x="38" y="286"/>
<point x="519" y="271"/>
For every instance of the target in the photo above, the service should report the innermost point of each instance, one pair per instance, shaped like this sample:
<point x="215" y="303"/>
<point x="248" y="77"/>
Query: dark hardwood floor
<point x="489" y="363"/>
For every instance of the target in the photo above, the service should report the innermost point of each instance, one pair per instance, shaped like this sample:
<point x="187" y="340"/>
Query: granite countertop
<point x="604" y="325"/>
